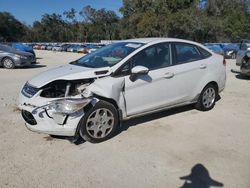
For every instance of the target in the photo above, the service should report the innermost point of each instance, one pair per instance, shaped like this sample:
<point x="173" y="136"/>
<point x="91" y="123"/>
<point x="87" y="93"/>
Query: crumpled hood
<point x="67" y="72"/>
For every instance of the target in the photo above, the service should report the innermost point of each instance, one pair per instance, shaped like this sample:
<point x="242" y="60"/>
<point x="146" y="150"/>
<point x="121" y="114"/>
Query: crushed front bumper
<point x="38" y="120"/>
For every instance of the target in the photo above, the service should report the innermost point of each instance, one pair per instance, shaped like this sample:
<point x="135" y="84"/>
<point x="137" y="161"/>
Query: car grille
<point x="28" y="117"/>
<point x="29" y="91"/>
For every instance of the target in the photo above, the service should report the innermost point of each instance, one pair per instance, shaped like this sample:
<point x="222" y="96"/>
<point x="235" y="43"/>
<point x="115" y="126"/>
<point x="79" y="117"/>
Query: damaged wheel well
<point x="112" y="101"/>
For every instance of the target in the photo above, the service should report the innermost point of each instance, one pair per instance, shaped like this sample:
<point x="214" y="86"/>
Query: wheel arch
<point x="113" y="102"/>
<point x="4" y="57"/>
<point x="213" y="83"/>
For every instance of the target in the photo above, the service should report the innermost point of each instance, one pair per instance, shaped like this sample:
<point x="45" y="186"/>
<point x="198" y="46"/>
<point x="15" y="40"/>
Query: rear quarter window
<point x="204" y="52"/>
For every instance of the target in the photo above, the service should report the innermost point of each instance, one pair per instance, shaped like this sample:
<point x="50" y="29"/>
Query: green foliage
<point x="219" y="21"/>
<point x="10" y="28"/>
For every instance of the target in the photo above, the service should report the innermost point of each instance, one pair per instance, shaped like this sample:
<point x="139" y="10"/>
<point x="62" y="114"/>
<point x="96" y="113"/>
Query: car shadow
<point x="242" y="77"/>
<point x="34" y="66"/>
<point x="125" y="125"/>
<point x="73" y="140"/>
<point x="157" y="115"/>
<point x="199" y="178"/>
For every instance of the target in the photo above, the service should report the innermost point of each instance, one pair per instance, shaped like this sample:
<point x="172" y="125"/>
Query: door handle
<point x="169" y="75"/>
<point x="203" y="66"/>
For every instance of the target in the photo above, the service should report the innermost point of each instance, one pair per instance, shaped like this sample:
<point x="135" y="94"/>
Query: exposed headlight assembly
<point x="68" y="106"/>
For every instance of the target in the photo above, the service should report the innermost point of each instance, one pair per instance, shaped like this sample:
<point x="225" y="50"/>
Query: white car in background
<point x="91" y="96"/>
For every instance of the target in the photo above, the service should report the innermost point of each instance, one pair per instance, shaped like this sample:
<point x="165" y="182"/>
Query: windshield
<point x="108" y="56"/>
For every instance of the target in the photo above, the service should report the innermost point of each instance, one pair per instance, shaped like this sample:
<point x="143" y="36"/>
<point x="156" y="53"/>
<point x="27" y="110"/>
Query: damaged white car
<point x="92" y="95"/>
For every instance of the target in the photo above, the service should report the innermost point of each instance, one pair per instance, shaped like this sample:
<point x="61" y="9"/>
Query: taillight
<point x="224" y="62"/>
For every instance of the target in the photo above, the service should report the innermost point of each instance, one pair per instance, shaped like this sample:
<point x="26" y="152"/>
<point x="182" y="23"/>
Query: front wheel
<point x="207" y="98"/>
<point x="8" y="63"/>
<point x="99" y="123"/>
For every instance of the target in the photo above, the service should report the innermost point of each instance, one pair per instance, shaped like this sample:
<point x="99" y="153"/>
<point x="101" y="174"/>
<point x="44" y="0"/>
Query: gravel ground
<point x="151" y="151"/>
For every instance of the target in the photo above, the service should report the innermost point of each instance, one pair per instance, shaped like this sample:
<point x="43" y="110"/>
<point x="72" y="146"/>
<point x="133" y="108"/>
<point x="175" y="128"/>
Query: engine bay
<point x="64" y="88"/>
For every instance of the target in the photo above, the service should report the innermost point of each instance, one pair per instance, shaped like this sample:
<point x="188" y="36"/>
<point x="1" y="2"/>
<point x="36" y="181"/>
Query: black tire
<point x="204" y="104"/>
<point x="8" y="63"/>
<point x="84" y="124"/>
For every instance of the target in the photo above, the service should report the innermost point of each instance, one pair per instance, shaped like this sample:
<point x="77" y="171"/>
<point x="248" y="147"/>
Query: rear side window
<point x="185" y="53"/>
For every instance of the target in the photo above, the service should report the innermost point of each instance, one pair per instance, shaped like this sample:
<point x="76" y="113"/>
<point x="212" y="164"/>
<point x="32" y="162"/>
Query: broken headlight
<point x="68" y="106"/>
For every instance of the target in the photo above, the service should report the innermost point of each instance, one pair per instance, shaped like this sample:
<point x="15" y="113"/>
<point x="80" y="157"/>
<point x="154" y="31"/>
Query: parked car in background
<point x="244" y="47"/>
<point x="64" y="47"/>
<point x="23" y="47"/>
<point x="215" y="48"/>
<point x="43" y="47"/>
<point x="92" y="95"/>
<point x="56" y="48"/>
<point x="49" y="47"/>
<point x="245" y="65"/>
<point x="231" y="51"/>
<point x="82" y="49"/>
<point x="11" y="58"/>
<point x="76" y="47"/>
<point x="92" y="47"/>
<point x="71" y="48"/>
<point x="37" y="47"/>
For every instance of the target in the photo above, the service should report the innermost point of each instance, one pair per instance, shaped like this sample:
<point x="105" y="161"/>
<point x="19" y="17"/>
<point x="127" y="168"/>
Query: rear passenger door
<point x="190" y="64"/>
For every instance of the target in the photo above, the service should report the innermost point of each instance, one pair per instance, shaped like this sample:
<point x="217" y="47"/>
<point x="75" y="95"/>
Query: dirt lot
<point x="152" y="151"/>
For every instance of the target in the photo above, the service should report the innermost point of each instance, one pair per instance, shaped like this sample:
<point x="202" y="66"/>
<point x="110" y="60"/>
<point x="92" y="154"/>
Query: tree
<point x="102" y="24"/>
<point x="10" y="28"/>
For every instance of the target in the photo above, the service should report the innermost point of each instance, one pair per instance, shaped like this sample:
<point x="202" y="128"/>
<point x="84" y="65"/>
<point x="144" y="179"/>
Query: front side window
<point x="186" y="53"/>
<point x="108" y="56"/>
<point x="154" y="57"/>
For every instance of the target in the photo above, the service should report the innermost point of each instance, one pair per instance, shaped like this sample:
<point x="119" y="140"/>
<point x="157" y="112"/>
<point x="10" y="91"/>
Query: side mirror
<point x="138" y="70"/>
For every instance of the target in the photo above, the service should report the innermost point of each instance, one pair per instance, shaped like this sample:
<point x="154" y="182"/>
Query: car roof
<point x="149" y="40"/>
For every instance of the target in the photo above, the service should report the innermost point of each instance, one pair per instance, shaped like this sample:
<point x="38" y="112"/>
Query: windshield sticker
<point x="131" y="45"/>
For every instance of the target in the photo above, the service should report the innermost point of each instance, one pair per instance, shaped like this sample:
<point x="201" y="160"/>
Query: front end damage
<point x="58" y="107"/>
<point x="55" y="108"/>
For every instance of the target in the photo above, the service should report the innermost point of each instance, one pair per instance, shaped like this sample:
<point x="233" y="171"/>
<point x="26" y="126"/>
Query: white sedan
<point x="92" y="95"/>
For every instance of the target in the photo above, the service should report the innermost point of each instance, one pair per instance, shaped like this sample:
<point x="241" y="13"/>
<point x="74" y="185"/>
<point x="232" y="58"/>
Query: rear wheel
<point x="99" y="123"/>
<point x="8" y="63"/>
<point x="207" y="98"/>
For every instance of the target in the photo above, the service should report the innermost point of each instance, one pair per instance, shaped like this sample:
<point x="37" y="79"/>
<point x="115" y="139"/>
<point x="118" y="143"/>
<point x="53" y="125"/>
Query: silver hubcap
<point x="8" y="63"/>
<point x="208" y="97"/>
<point x="100" y="123"/>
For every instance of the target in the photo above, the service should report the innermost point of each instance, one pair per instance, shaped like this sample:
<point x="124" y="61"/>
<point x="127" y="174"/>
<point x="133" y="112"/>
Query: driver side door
<point x="149" y="91"/>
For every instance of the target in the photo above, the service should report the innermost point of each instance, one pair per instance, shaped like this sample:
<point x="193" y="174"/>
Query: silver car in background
<point x="11" y="58"/>
<point x="244" y="48"/>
